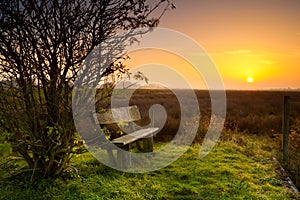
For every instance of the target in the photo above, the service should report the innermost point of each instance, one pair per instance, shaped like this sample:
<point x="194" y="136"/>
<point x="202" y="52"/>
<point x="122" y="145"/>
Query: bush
<point x="5" y="147"/>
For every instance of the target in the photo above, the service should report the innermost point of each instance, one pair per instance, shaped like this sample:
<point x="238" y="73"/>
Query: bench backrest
<point x="116" y="115"/>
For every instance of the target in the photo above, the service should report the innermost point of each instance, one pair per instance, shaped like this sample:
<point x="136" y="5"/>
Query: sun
<point x="250" y="79"/>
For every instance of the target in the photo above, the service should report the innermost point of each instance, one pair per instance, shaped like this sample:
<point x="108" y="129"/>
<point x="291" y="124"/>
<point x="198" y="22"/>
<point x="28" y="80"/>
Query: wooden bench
<point x="126" y="115"/>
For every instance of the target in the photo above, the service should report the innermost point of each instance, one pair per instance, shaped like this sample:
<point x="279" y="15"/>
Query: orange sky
<point x="257" y="38"/>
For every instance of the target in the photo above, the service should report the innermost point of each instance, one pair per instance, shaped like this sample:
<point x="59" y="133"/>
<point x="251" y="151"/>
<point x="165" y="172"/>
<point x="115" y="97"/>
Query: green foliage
<point x="5" y="146"/>
<point x="5" y="149"/>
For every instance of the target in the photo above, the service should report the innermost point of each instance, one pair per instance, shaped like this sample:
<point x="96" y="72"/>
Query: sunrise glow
<point x="249" y="42"/>
<point x="245" y="39"/>
<point x="250" y="79"/>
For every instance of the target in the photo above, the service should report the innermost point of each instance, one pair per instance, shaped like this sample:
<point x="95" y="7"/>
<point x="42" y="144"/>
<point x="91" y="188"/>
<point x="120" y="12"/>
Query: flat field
<point x="241" y="165"/>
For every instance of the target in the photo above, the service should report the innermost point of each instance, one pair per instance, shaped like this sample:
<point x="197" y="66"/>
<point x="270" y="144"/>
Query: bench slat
<point x="116" y="115"/>
<point x="132" y="137"/>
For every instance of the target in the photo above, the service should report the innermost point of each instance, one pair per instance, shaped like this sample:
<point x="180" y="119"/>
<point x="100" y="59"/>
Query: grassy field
<point x="241" y="166"/>
<point x="233" y="170"/>
<point x="251" y="112"/>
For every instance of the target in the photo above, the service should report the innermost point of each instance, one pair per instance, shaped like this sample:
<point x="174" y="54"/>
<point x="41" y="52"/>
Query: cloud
<point x="268" y="62"/>
<point x="242" y="51"/>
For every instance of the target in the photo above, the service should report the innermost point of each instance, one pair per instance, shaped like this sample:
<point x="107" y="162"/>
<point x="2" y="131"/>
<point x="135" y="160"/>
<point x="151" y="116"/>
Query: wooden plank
<point x="116" y="115"/>
<point x="132" y="137"/>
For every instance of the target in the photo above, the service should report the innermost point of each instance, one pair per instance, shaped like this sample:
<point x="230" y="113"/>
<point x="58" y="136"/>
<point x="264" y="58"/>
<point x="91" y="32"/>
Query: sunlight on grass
<point x="233" y="170"/>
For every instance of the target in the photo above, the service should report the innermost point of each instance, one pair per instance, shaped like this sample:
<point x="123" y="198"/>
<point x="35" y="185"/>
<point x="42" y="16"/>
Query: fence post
<point x="285" y="129"/>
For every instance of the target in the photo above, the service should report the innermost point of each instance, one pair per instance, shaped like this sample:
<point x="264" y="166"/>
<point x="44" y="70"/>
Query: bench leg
<point x="123" y="157"/>
<point x="148" y="144"/>
<point x="111" y="157"/>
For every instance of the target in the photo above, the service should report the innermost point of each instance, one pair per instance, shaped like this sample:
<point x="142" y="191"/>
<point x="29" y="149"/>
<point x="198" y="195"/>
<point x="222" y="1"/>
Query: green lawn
<point x="230" y="171"/>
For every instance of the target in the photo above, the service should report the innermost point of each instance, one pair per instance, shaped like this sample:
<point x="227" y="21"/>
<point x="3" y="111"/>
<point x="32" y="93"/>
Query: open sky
<point x="255" y="44"/>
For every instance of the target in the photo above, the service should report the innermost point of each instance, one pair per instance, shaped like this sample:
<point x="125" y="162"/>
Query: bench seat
<point x="137" y="135"/>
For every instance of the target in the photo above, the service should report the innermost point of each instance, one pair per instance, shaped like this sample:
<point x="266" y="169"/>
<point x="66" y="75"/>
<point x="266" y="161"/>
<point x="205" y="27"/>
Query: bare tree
<point x="42" y="45"/>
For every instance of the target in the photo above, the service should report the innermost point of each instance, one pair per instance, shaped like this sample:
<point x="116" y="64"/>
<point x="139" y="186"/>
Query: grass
<point x="239" y="167"/>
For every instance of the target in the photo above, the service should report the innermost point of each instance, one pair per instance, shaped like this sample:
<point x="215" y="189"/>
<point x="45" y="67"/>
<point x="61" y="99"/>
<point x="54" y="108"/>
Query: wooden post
<point x="285" y="129"/>
<point x="298" y="175"/>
